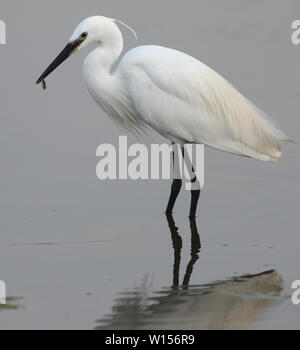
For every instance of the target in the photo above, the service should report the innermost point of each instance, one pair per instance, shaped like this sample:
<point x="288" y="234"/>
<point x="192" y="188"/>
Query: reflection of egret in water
<point x="235" y="303"/>
<point x="177" y="245"/>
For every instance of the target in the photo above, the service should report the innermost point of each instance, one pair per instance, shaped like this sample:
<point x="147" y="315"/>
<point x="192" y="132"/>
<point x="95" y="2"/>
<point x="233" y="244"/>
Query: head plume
<point x="127" y="27"/>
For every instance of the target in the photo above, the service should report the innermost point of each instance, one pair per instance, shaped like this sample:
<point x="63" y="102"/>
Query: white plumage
<point x="187" y="102"/>
<point x="173" y="93"/>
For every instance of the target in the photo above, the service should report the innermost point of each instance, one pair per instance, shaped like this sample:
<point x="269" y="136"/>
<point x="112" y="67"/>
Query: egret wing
<point x="186" y="101"/>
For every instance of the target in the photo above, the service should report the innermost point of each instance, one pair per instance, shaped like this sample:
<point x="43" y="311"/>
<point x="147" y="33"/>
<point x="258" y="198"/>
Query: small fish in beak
<point x="66" y="52"/>
<point x="44" y="86"/>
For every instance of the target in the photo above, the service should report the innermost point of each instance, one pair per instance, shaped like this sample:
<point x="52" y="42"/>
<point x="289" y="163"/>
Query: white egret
<point x="173" y="93"/>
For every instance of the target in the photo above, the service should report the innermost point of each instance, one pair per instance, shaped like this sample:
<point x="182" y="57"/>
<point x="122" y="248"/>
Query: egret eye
<point x="84" y="35"/>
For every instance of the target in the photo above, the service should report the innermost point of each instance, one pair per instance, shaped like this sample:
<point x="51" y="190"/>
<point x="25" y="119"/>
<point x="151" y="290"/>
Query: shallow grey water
<point x="72" y="248"/>
<point x="232" y="304"/>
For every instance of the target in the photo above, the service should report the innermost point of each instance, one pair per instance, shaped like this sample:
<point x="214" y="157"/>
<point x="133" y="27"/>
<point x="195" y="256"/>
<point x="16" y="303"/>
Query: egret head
<point x="91" y="30"/>
<point x="94" y="29"/>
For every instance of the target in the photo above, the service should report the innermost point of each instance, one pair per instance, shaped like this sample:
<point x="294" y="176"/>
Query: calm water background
<point x="72" y="248"/>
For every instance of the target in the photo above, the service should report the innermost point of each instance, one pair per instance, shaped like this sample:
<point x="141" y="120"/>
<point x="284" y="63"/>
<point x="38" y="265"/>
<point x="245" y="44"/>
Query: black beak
<point x="66" y="52"/>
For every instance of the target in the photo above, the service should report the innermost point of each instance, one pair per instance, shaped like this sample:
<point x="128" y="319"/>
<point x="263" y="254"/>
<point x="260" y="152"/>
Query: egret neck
<point x="98" y="66"/>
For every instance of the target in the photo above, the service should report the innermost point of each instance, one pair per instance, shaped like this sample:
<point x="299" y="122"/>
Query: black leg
<point x="175" y="189"/>
<point x="195" y="194"/>
<point x="195" y="189"/>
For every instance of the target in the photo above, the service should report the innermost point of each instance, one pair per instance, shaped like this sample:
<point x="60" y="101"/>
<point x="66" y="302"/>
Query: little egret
<point x="171" y="92"/>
